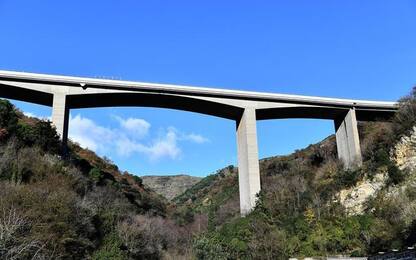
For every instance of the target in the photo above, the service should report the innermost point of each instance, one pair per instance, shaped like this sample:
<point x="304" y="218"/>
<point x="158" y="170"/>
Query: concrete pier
<point x="348" y="141"/>
<point x="248" y="161"/>
<point x="60" y="116"/>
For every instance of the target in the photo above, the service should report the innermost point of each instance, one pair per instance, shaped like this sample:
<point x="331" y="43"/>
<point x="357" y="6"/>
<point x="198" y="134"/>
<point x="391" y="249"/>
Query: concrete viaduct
<point x="63" y="93"/>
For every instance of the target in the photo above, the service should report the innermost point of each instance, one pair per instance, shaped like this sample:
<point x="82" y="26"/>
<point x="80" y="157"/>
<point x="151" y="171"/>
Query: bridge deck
<point x="195" y="91"/>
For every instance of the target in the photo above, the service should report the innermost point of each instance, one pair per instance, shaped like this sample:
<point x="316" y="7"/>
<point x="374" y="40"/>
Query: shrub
<point x="147" y="237"/>
<point x="8" y="116"/>
<point x="396" y="176"/>
<point x="405" y="118"/>
<point x="138" y="180"/>
<point x="317" y="158"/>
<point x="57" y="222"/>
<point x="26" y="134"/>
<point x="14" y="243"/>
<point x="42" y="134"/>
<point x="110" y="249"/>
<point x="183" y="216"/>
<point x="348" y="178"/>
<point x="96" y="175"/>
<point x="209" y="247"/>
<point x="46" y="137"/>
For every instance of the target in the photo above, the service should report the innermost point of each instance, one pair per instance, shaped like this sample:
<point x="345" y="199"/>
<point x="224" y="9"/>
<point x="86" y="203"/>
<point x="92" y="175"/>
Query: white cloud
<point x="164" y="146"/>
<point x="90" y="135"/>
<point x="137" y="127"/>
<point x="125" y="140"/>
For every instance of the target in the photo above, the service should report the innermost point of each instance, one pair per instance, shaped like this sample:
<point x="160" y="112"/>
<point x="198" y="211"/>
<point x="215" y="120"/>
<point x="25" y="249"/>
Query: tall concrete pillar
<point x="348" y="141"/>
<point x="248" y="161"/>
<point x="60" y="116"/>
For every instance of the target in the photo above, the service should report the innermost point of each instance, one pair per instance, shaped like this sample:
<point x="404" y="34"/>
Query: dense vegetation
<point x="80" y="206"/>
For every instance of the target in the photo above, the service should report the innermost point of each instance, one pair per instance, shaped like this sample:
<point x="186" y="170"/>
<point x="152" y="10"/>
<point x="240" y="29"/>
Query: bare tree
<point x="13" y="242"/>
<point x="154" y="237"/>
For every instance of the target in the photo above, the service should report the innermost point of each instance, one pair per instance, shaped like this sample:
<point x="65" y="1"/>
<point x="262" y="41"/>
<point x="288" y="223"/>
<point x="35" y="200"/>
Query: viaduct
<point x="63" y="93"/>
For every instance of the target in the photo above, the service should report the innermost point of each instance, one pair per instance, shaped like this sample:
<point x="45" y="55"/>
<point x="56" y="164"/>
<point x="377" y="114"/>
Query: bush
<point x="8" y="116"/>
<point x="110" y="249"/>
<point x="42" y="134"/>
<point x="96" y="175"/>
<point x="26" y="134"/>
<point x="46" y="137"/>
<point x="396" y="176"/>
<point x="183" y="216"/>
<point x="348" y="178"/>
<point x="138" y="180"/>
<point x="14" y="228"/>
<point x="405" y="118"/>
<point x="209" y="247"/>
<point x="57" y="222"/>
<point x="148" y="237"/>
<point x="317" y="158"/>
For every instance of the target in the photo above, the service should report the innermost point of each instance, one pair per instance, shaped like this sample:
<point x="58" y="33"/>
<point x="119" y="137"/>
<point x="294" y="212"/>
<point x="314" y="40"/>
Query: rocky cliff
<point x="170" y="186"/>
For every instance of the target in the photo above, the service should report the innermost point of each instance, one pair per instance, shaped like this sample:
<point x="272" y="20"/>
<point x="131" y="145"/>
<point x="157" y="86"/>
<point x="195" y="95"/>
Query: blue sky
<point x="348" y="49"/>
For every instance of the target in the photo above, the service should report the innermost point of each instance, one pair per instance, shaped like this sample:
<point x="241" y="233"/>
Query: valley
<point x="83" y="206"/>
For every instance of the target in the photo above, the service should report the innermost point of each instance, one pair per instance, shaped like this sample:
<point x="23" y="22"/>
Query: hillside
<point x="217" y="194"/>
<point x="79" y="206"/>
<point x="310" y="206"/>
<point x="170" y="186"/>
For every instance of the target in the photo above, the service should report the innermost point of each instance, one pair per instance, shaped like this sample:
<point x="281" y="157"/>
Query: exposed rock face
<point x="353" y="199"/>
<point x="404" y="153"/>
<point x="170" y="186"/>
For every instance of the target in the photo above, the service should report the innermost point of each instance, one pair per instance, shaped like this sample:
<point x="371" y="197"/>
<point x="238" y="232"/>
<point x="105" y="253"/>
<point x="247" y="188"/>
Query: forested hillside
<point x="77" y="206"/>
<point x="80" y="206"/>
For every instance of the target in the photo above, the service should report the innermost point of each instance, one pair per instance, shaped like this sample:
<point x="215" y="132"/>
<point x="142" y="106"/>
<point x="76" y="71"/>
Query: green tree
<point x="8" y="116"/>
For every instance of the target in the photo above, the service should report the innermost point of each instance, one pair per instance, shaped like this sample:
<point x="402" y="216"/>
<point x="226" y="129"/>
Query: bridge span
<point x="63" y="93"/>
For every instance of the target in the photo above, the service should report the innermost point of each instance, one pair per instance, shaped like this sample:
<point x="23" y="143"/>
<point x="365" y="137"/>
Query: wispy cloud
<point x="196" y="138"/>
<point x="129" y="138"/>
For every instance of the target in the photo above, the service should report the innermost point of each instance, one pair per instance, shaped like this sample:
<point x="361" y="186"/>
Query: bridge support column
<point x="60" y="116"/>
<point x="348" y="141"/>
<point x="248" y="161"/>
